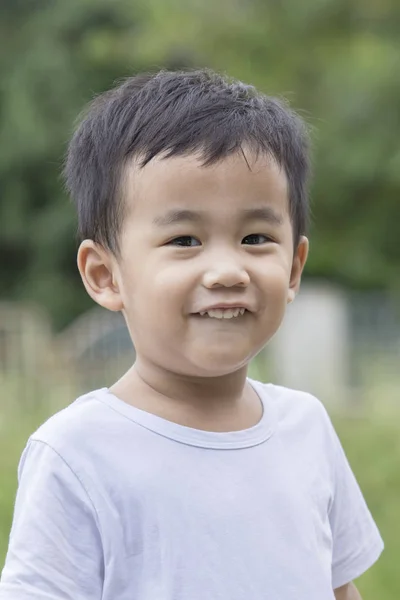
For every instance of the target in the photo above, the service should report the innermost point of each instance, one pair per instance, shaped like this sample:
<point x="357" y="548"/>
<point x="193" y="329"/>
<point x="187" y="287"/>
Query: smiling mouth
<point x="223" y="313"/>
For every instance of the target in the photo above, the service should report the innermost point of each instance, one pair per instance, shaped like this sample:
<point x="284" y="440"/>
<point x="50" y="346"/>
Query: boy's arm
<point x="356" y="541"/>
<point x="347" y="592"/>
<point x="55" y="549"/>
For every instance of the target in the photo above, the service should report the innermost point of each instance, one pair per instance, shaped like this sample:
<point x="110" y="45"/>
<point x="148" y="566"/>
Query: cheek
<point x="275" y="282"/>
<point x="176" y="281"/>
<point x="158" y="292"/>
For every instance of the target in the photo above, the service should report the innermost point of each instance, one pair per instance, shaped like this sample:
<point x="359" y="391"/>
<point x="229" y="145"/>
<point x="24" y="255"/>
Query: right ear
<point x="96" y="266"/>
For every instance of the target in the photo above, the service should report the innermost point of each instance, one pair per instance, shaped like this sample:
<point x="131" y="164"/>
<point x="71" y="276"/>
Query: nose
<point x="226" y="274"/>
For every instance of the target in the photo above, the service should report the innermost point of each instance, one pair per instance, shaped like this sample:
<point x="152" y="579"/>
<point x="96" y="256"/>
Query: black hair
<point x="177" y="113"/>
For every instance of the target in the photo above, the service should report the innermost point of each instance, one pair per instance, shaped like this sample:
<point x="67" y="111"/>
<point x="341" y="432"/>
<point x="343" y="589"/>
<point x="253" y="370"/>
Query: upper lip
<point x="225" y="305"/>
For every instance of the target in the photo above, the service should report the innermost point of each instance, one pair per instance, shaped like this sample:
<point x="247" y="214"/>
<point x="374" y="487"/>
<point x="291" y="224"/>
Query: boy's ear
<point x="299" y="260"/>
<point x="97" y="269"/>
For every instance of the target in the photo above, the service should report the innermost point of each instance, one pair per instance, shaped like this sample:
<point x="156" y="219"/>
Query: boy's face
<point x="195" y="241"/>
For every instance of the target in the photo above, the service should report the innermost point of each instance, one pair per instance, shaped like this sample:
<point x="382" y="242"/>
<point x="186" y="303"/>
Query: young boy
<point x="186" y="480"/>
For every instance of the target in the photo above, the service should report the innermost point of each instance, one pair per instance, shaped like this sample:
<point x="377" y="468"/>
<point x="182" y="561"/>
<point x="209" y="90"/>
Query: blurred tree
<point x="55" y="55"/>
<point x="335" y="60"/>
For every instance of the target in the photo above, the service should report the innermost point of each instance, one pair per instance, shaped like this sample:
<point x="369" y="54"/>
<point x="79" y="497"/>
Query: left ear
<point x="299" y="260"/>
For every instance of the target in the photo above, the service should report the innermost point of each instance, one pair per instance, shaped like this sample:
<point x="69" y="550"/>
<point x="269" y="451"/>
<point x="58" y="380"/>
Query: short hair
<point x="173" y="113"/>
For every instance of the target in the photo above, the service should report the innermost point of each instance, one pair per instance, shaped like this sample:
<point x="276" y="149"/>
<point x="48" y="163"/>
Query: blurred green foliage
<point x="337" y="61"/>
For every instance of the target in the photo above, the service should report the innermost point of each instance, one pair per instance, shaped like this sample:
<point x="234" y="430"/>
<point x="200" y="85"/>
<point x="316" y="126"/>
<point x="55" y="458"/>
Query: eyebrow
<point x="175" y="216"/>
<point x="264" y="213"/>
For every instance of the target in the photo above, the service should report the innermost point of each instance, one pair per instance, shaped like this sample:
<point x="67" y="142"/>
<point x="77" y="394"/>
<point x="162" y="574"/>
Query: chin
<point x="215" y="365"/>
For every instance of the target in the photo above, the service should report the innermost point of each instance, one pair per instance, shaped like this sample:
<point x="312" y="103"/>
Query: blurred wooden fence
<point x="348" y="339"/>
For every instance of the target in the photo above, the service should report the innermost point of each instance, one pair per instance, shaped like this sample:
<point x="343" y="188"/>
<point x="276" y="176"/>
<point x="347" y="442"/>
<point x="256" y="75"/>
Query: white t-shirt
<point x="117" y="504"/>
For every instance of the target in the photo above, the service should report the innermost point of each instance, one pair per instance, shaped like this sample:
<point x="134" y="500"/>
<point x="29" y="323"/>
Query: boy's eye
<point x="255" y="239"/>
<point x="186" y="241"/>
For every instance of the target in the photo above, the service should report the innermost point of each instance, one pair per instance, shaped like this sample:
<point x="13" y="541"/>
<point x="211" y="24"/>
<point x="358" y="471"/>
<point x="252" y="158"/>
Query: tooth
<point x="227" y="313"/>
<point x="216" y="313"/>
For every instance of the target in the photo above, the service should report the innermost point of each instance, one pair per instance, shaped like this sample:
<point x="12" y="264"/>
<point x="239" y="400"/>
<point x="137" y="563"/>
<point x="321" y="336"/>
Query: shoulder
<point x="77" y="441"/>
<point x="292" y="404"/>
<point x="78" y="428"/>
<point x="301" y="418"/>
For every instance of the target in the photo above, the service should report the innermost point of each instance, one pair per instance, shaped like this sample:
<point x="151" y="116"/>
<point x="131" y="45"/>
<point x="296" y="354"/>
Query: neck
<point x="196" y="390"/>
<point x="215" y="403"/>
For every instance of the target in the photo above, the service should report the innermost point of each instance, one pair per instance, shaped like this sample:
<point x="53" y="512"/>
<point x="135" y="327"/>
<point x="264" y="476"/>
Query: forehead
<point x="236" y="181"/>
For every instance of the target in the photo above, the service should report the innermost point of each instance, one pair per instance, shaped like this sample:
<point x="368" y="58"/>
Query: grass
<point x="372" y="444"/>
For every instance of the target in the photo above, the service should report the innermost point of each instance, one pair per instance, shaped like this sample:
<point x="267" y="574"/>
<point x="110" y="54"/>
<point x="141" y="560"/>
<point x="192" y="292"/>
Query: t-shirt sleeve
<point x="55" y="549"/>
<point x="357" y="543"/>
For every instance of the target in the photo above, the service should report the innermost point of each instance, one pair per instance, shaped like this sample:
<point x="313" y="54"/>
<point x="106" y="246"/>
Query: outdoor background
<point x="338" y="63"/>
